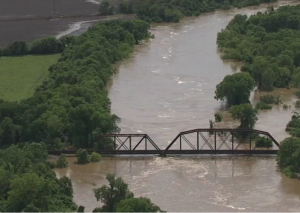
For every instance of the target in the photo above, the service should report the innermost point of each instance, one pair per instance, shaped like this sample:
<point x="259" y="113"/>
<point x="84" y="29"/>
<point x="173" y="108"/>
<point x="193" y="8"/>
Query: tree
<point x="9" y="133"/>
<point x="112" y="195"/>
<point x="61" y="162"/>
<point x="105" y="8"/>
<point x="25" y="190"/>
<point x="246" y="114"/>
<point x="82" y="156"/>
<point x="235" y="89"/>
<point x="16" y="48"/>
<point x="268" y="79"/>
<point x="286" y="150"/>
<point x="137" y="205"/>
<point x="127" y="7"/>
<point x="46" y="46"/>
<point x="259" y="66"/>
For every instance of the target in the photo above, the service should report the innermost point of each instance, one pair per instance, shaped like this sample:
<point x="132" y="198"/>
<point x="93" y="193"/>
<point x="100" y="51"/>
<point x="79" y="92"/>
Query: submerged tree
<point x="112" y="195"/>
<point x="137" y="205"/>
<point x="235" y="89"/>
<point x="246" y="114"/>
<point x="106" y="9"/>
<point x="118" y="198"/>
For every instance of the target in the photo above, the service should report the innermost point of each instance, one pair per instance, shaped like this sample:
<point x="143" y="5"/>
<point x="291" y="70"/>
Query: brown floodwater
<point x="167" y="86"/>
<point x="192" y="184"/>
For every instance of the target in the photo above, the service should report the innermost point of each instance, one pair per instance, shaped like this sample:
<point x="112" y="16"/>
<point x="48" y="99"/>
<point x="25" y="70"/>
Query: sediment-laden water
<point x="168" y="86"/>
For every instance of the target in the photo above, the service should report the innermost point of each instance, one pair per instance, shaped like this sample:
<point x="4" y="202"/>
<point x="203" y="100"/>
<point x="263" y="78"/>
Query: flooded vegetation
<point x="167" y="85"/>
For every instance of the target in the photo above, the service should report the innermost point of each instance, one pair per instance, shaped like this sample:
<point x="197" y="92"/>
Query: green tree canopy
<point x="137" y="205"/>
<point x="246" y="114"/>
<point x="118" y="198"/>
<point x="268" y="43"/>
<point x="28" y="184"/>
<point x="235" y="89"/>
<point x="112" y="195"/>
<point x="287" y="148"/>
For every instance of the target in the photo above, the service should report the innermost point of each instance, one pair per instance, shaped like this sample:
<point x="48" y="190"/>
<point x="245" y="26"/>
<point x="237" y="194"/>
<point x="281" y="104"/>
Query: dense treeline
<point x="174" y="10"/>
<point x="289" y="156"/>
<point x="28" y="184"/>
<point x="72" y="106"/>
<point x="48" y="45"/>
<point x="268" y="43"/>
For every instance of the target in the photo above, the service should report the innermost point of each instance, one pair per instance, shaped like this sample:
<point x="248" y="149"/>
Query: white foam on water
<point x="93" y="1"/>
<point x="155" y="71"/>
<point x="163" y="41"/>
<point x="239" y="208"/>
<point x="139" y="131"/>
<point x="196" y="89"/>
<point x="73" y="27"/>
<point x="165" y="104"/>
<point x="164" y="116"/>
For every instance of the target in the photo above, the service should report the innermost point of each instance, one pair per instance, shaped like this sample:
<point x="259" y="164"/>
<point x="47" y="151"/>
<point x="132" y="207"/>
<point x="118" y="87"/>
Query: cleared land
<point x="20" y="75"/>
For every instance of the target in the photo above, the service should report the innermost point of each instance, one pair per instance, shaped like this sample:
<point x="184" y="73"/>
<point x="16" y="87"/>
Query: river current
<point x="167" y="86"/>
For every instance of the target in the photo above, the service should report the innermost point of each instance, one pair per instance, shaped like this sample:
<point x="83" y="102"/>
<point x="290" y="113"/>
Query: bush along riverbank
<point x="269" y="44"/>
<point x="71" y="106"/>
<point x="174" y="10"/>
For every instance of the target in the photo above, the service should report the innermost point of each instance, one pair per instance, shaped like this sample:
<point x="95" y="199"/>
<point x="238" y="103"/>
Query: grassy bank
<point x="20" y="75"/>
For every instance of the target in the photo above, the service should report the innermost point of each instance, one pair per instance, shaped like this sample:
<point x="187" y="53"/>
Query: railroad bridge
<point x="193" y="142"/>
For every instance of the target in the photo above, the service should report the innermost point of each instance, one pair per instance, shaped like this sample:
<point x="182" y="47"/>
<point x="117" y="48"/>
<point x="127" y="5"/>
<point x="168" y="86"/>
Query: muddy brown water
<point x="167" y="86"/>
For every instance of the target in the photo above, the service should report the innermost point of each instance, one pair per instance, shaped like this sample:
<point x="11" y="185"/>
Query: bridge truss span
<point x="222" y="141"/>
<point x="195" y="142"/>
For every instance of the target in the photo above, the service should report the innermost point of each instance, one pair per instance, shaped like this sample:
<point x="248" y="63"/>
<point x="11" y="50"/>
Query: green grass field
<point x="20" y="75"/>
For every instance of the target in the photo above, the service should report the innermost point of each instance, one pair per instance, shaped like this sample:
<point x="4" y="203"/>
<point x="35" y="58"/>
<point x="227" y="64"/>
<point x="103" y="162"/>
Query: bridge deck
<point x="192" y="142"/>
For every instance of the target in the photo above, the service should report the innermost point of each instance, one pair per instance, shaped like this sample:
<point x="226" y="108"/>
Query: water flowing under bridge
<point x="197" y="141"/>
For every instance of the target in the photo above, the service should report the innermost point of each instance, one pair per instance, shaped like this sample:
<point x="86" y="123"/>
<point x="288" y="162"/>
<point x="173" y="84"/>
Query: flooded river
<point x="168" y="86"/>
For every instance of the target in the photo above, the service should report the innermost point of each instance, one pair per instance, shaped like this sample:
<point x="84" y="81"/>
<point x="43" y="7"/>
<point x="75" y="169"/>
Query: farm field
<point x="20" y="75"/>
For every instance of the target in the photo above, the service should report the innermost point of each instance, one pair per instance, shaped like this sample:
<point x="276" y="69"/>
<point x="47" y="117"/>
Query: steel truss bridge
<point x="193" y="142"/>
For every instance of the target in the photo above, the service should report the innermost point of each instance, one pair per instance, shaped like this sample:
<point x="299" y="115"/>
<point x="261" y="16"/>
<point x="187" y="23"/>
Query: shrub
<point x="263" y="142"/>
<point x="61" y="162"/>
<point x="297" y="104"/>
<point x="268" y="99"/>
<point x="218" y="117"/>
<point x="80" y="209"/>
<point x="285" y="106"/>
<point x="82" y="156"/>
<point x="51" y="164"/>
<point x="297" y="94"/>
<point x="48" y="45"/>
<point x="263" y="105"/>
<point x="106" y="9"/>
<point x="289" y="171"/>
<point x="287" y="148"/>
<point x="95" y="157"/>
<point x="16" y="48"/>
